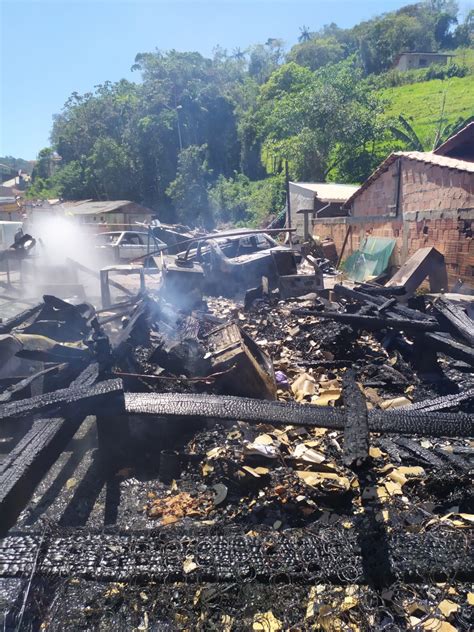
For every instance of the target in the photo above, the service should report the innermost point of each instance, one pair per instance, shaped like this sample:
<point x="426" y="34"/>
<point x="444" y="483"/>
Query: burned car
<point x="227" y="264"/>
<point x="124" y="246"/>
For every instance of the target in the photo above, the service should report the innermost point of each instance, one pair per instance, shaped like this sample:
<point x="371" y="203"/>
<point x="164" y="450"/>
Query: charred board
<point x="24" y="467"/>
<point x="372" y="323"/>
<point x="83" y="398"/>
<point x="182" y="406"/>
<point x="356" y="428"/>
<point x="446" y="402"/>
<point x="447" y="345"/>
<point x="458" y="320"/>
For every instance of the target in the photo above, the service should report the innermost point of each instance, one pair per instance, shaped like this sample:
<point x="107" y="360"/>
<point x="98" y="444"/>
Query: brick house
<point x="419" y="199"/>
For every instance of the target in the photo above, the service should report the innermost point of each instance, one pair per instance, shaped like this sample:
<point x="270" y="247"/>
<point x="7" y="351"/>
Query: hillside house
<point x="312" y="200"/>
<point x="414" y="61"/>
<point x="418" y="199"/>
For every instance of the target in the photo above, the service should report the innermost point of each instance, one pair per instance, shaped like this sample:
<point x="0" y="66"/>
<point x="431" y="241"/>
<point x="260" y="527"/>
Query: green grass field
<point x="421" y="103"/>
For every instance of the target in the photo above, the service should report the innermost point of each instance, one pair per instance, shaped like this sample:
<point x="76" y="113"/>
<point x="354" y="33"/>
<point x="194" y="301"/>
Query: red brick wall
<point x="446" y="234"/>
<point x="423" y="187"/>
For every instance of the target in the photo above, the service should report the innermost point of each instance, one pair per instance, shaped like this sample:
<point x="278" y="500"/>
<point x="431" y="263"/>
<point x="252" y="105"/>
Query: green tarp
<point x="370" y="260"/>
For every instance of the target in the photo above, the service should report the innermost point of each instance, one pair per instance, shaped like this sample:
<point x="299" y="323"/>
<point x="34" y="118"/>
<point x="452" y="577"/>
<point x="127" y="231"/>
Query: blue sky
<point x="50" y="48"/>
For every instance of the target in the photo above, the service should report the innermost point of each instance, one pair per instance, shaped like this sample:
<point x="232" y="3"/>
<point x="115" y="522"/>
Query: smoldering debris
<point x="176" y="466"/>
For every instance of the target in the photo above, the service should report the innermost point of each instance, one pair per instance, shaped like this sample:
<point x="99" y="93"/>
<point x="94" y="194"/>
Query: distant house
<point x="112" y="213"/>
<point x="413" y="61"/>
<point x="417" y="199"/>
<point x="312" y="200"/>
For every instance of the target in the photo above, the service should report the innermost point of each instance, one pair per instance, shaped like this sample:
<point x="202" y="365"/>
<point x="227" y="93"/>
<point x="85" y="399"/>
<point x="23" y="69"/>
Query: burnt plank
<point x="184" y="406"/>
<point x="457" y="318"/>
<point x="19" y="319"/>
<point x="23" y="468"/>
<point x="400" y="310"/>
<point x="452" y="348"/>
<point x="372" y="322"/>
<point x="74" y="398"/>
<point x="356" y="427"/>
<point x="444" y="402"/>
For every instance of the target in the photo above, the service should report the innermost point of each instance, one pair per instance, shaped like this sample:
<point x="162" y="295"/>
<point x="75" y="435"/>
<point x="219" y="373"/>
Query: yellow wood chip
<point x="264" y="439"/>
<point x="447" y="607"/>
<point x="437" y="625"/>
<point x="266" y="622"/>
<point x="470" y="598"/>
<point x="189" y="564"/>
<point x="375" y="453"/>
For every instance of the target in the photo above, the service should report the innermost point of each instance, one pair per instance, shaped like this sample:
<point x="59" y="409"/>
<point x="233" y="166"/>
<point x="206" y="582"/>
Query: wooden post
<point x="344" y="245"/>
<point x="105" y="289"/>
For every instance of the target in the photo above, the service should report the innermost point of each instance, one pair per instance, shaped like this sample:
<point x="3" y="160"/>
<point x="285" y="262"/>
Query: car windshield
<point x="104" y="239"/>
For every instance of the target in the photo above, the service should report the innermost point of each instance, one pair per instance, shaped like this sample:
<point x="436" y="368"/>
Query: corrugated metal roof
<point x="329" y="191"/>
<point x="427" y="157"/>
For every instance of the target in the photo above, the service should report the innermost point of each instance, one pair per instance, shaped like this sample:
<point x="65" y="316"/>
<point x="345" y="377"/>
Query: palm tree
<point x="407" y="134"/>
<point x="238" y="53"/>
<point x="305" y="34"/>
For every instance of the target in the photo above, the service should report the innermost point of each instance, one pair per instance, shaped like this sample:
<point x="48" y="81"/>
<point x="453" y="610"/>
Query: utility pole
<point x="178" y="108"/>
<point x="288" y="206"/>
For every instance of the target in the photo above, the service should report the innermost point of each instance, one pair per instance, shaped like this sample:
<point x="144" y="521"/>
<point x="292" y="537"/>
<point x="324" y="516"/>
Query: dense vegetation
<point x="204" y="140"/>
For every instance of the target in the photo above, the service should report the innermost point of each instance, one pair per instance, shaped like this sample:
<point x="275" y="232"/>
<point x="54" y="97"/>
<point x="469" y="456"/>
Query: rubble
<point x="194" y="464"/>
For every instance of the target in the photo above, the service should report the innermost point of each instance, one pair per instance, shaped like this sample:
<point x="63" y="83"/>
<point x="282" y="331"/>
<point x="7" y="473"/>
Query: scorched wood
<point x="181" y="406"/>
<point x="356" y="429"/>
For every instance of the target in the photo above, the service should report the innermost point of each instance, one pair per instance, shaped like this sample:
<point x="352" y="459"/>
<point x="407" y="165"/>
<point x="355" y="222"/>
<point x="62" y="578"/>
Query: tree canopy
<point x="202" y="139"/>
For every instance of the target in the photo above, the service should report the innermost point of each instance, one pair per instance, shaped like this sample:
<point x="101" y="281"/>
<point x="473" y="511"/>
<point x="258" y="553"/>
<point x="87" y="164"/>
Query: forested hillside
<point x="204" y="140"/>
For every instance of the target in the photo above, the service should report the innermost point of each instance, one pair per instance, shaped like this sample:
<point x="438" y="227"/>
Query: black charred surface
<point x="356" y="427"/>
<point x="27" y="463"/>
<point x="329" y="556"/>
<point x="85" y="398"/>
<point x="456" y="318"/>
<point x="184" y="405"/>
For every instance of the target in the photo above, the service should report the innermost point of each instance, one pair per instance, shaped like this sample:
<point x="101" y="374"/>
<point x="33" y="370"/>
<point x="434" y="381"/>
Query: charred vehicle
<point x="229" y="263"/>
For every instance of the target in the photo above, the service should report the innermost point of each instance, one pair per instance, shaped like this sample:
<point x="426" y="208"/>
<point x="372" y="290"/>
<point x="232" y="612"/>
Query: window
<point x="131" y="239"/>
<point x="423" y="62"/>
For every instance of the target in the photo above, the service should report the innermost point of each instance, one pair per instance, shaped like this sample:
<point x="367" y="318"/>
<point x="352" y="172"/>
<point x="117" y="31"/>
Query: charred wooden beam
<point x="363" y="297"/>
<point x="446" y="402"/>
<point x="373" y="323"/>
<point x="83" y="398"/>
<point x="356" y="428"/>
<point x="382" y="290"/>
<point x="19" y="319"/>
<point x="447" y="345"/>
<point x="183" y="406"/>
<point x="457" y="318"/>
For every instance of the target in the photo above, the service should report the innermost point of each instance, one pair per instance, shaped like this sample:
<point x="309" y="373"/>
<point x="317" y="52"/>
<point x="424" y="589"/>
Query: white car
<point x="123" y="246"/>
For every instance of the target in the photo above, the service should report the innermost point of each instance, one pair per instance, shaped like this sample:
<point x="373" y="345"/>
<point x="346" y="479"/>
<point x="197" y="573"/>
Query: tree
<point x="406" y="133"/>
<point x="189" y="190"/>
<point x="444" y="28"/>
<point x="305" y="34"/>
<point x="317" y="52"/>
<point x="317" y="119"/>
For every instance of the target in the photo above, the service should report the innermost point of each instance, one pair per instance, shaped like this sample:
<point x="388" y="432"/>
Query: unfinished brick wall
<point x="436" y="206"/>
<point x="423" y="187"/>
<point x="337" y="232"/>
<point x="449" y="234"/>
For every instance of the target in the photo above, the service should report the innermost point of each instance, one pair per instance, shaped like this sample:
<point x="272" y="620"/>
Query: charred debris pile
<point x="297" y="464"/>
